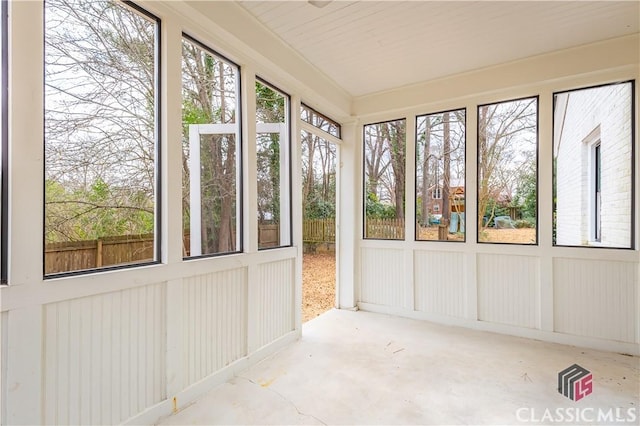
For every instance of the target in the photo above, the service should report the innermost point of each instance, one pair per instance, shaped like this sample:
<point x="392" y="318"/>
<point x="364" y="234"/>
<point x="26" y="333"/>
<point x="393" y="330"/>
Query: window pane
<point x="507" y="172"/>
<point x="274" y="205"/>
<point x="319" y="158"/>
<point x="593" y="164"/>
<point x="100" y="135"/>
<point x="440" y="183"/>
<point x="318" y="120"/>
<point x="384" y="179"/>
<point x="211" y="150"/>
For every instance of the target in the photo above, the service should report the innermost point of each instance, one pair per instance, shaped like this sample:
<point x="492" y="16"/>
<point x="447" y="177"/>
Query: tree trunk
<point x="225" y="175"/>
<point x="482" y="164"/>
<point x="446" y="213"/>
<point x="425" y="173"/>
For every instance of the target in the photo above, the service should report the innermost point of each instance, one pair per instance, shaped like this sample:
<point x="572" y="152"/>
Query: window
<point x="320" y="121"/>
<point x="212" y="202"/>
<point x="508" y="172"/>
<point x="274" y="165"/>
<point x="440" y="178"/>
<point x="384" y="179"/>
<point x="596" y="195"/>
<point x="593" y="166"/>
<point x="101" y="135"/>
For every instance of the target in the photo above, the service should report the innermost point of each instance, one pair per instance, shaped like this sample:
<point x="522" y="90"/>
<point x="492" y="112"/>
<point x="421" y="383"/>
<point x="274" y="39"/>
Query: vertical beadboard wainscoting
<point x="126" y="351"/>
<point x="572" y="296"/>
<point x="104" y="356"/>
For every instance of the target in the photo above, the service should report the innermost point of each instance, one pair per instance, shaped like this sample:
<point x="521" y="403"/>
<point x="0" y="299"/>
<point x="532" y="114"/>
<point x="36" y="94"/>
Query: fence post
<point x="324" y="229"/>
<point x="98" y="253"/>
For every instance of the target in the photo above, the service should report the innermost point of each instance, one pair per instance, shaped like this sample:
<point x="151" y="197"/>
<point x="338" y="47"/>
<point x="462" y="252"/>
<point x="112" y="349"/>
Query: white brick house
<point x="593" y="127"/>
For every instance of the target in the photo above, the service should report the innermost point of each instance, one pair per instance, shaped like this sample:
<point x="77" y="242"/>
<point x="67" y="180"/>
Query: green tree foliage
<point x="270" y="108"/>
<point x="526" y="194"/>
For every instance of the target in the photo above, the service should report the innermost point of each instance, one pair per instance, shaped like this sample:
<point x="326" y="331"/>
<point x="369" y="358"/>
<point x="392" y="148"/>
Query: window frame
<point x="157" y="231"/>
<point x="633" y="124"/>
<point x="537" y="168"/>
<point x="4" y="136"/>
<point x="289" y="169"/>
<point x="240" y="188"/>
<point x="337" y="125"/>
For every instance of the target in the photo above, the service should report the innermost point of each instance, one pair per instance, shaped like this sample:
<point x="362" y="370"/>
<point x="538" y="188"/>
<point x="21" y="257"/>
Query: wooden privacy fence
<point x="120" y="250"/>
<point x="78" y="255"/>
<point x="319" y="231"/>
<point x="89" y="254"/>
<point x="388" y="229"/>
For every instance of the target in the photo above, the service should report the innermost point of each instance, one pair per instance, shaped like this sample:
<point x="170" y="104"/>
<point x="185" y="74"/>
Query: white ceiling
<point x="371" y="46"/>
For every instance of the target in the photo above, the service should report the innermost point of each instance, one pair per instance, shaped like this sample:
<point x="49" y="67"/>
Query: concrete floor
<point x="365" y="368"/>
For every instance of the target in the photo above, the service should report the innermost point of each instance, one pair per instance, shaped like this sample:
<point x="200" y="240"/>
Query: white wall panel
<point x="596" y="298"/>
<point x="274" y="297"/>
<point x="104" y="356"/>
<point x="383" y="277"/>
<point x="508" y="289"/>
<point x="439" y="283"/>
<point x="215" y="322"/>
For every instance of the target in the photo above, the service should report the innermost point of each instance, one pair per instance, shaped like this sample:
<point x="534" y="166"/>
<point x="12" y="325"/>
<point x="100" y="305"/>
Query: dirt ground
<point x="318" y="284"/>
<point x="519" y="236"/>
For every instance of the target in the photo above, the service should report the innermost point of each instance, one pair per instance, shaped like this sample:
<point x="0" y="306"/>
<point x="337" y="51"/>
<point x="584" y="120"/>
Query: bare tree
<point x="506" y="144"/>
<point x="209" y="96"/>
<point x="99" y="120"/>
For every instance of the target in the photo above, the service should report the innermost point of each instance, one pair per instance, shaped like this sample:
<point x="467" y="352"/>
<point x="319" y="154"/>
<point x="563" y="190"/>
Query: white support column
<point x="285" y="182"/>
<point x="172" y="227"/>
<point x="195" y="202"/>
<point x="26" y="160"/>
<point x="409" y="211"/>
<point x="471" y="216"/>
<point x="296" y="210"/>
<point x="545" y="222"/>
<point x="249" y="161"/>
<point x="23" y="378"/>
<point x="250" y="201"/>
<point x="348" y="223"/>
<point x="175" y="379"/>
<point x="171" y="145"/>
